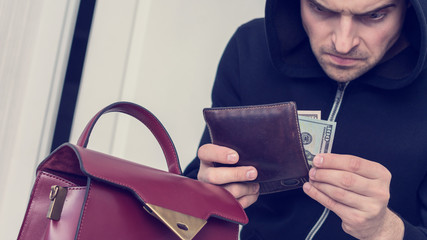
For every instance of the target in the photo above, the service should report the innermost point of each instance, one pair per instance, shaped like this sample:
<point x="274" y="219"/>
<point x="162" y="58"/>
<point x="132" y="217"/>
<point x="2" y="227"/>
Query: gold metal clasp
<point x="183" y="225"/>
<point x="57" y="199"/>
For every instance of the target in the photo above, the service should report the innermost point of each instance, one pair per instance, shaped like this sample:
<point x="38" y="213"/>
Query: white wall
<point x="163" y="55"/>
<point x="35" y="37"/>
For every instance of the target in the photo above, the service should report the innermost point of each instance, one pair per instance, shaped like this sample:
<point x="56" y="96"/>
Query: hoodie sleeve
<point x="418" y="232"/>
<point x="225" y="92"/>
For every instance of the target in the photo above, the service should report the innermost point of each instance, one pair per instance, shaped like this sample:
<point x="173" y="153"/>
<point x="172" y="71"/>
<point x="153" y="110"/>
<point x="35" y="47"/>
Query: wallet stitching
<point x="247" y="107"/>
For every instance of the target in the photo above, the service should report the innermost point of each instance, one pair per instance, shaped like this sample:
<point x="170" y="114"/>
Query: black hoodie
<point x="383" y="115"/>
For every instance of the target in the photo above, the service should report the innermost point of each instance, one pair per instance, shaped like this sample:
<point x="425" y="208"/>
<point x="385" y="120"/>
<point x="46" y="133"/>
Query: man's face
<point x="349" y="37"/>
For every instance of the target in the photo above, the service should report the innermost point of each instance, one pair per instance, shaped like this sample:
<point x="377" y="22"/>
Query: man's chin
<point x="342" y="77"/>
<point x="343" y="74"/>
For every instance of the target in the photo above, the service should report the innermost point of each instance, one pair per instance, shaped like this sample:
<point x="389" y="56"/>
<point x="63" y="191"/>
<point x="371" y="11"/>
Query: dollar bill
<point x="310" y="114"/>
<point x="317" y="136"/>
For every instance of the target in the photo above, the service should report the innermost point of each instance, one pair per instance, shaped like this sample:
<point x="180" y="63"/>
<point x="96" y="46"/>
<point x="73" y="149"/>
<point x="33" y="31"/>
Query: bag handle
<point x="149" y="120"/>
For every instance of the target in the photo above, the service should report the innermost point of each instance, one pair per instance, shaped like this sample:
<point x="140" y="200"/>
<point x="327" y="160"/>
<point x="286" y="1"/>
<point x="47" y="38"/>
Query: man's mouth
<point x="344" y="61"/>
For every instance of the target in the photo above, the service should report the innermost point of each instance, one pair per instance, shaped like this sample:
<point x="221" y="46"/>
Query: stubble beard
<point x="342" y="73"/>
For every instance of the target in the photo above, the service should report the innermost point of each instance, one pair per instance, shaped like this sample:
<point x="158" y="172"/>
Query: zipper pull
<point x="57" y="199"/>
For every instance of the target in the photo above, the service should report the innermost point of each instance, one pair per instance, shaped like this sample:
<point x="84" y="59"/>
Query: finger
<point x="210" y="153"/>
<point x="338" y="208"/>
<point x="350" y="216"/>
<point x="239" y="190"/>
<point x="343" y="196"/>
<point x="346" y="180"/>
<point x="248" y="200"/>
<point x="224" y="175"/>
<point x="360" y="166"/>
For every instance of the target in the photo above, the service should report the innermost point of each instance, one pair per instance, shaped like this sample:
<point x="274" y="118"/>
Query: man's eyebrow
<point x="319" y="5"/>
<point x="315" y="2"/>
<point x="377" y="9"/>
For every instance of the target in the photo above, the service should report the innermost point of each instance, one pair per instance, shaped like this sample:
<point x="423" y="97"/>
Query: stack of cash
<point x="317" y="135"/>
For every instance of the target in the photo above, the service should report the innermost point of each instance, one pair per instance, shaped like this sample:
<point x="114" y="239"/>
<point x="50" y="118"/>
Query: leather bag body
<point x="99" y="196"/>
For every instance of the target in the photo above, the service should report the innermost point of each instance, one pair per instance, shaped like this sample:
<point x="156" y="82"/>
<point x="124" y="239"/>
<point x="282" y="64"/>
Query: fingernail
<point x="232" y="158"/>
<point x="312" y="172"/>
<point x="318" y="160"/>
<point x="251" y="174"/>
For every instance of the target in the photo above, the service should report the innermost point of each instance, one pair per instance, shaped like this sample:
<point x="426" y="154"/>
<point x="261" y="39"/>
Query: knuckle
<point x="375" y="212"/>
<point x="234" y="189"/>
<point x="339" y="194"/>
<point x="201" y="152"/>
<point x="348" y="180"/>
<point x="383" y="170"/>
<point x="248" y="200"/>
<point x="239" y="190"/>
<point x="209" y="177"/>
<point x="354" y="164"/>
<point x="244" y="202"/>
<point x="239" y="175"/>
<point x="347" y="228"/>
<point x="382" y="193"/>
<point x="384" y="198"/>
<point x="387" y="174"/>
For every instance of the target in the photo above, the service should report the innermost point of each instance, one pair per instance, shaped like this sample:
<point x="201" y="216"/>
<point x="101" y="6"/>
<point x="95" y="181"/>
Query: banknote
<point x="310" y="114"/>
<point x="317" y="136"/>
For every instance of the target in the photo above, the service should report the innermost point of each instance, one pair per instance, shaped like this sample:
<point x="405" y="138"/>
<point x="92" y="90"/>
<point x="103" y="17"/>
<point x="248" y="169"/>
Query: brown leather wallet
<point x="266" y="137"/>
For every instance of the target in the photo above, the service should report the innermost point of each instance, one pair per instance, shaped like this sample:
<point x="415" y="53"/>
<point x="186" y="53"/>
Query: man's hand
<point x="357" y="190"/>
<point x="231" y="178"/>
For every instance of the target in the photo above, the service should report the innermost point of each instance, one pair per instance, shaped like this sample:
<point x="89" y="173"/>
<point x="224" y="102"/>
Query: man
<point x="363" y="64"/>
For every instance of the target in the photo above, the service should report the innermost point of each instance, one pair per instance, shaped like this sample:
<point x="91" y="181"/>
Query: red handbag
<point x="83" y="194"/>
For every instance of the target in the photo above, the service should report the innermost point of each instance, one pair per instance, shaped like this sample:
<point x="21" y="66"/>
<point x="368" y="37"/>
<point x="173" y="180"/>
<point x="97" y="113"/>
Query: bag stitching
<point x="80" y="225"/>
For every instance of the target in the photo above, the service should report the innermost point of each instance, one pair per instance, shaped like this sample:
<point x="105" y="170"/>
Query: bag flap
<point x="182" y="203"/>
<point x="152" y="187"/>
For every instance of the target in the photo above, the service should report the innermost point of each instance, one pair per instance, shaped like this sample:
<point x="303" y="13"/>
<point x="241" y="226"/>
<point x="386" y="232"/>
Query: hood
<point x="291" y="53"/>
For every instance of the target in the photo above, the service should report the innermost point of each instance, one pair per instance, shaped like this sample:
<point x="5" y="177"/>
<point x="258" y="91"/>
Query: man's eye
<point x="375" y="16"/>
<point x="315" y="7"/>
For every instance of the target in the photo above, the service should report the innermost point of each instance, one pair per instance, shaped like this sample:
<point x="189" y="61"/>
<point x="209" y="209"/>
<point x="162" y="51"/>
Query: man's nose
<point x="345" y="37"/>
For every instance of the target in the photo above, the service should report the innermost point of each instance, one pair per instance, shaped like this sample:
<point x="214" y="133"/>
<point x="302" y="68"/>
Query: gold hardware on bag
<point x="57" y="199"/>
<point x="183" y="225"/>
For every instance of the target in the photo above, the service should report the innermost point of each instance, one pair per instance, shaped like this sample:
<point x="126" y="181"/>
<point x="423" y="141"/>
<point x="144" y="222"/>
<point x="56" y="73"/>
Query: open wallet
<point x="265" y="136"/>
